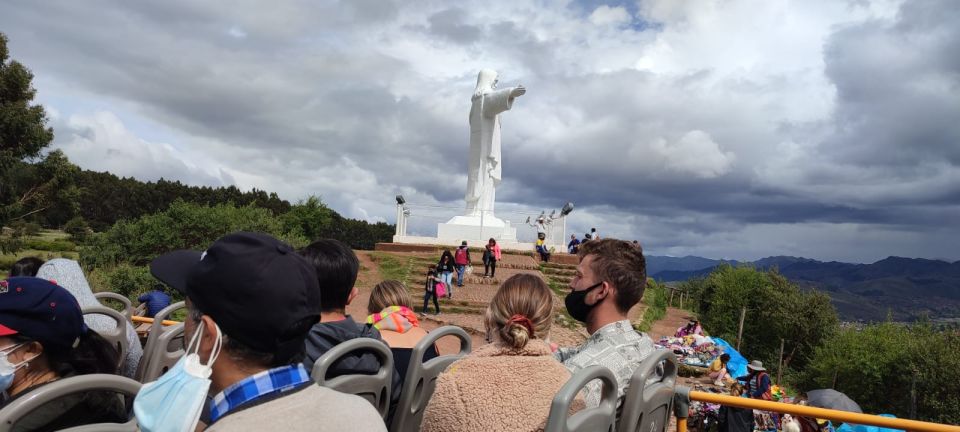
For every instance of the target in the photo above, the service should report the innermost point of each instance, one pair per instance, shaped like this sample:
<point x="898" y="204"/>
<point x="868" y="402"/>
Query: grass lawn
<point x="7" y="260"/>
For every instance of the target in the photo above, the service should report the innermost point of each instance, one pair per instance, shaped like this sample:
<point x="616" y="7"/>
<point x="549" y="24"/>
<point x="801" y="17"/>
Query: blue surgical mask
<point x="7" y="369"/>
<point x="174" y="402"/>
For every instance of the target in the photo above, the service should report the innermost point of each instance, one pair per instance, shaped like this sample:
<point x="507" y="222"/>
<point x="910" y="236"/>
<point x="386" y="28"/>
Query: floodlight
<point x="567" y="208"/>
<point x="400" y="200"/>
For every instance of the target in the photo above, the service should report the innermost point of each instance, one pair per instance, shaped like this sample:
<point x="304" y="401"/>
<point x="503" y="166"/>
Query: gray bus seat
<point x="150" y="350"/>
<point x="127" y="304"/>
<point x="649" y="399"/>
<point x="374" y="388"/>
<point x="421" y="379"/>
<point x="20" y="407"/>
<point x="165" y="353"/>
<point x="600" y="418"/>
<point x="118" y="335"/>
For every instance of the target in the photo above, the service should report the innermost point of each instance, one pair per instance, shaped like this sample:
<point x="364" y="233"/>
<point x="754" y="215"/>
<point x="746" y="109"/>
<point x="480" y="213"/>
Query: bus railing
<point x="148" y="320"/>
<point x="684" y="395"/>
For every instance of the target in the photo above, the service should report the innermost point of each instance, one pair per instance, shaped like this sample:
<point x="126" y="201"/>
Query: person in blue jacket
<point x="155" y="300"/>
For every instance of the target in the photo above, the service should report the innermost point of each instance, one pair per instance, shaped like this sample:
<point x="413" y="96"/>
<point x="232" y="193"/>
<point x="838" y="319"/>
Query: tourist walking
<point x="461" y="259"/>
<point x="430" y="291"/>
<point x="446" y="267"/>
<point x="491" y="254"/>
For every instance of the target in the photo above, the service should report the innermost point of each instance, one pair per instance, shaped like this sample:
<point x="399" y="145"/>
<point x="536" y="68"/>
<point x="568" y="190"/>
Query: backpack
<point x="461" y="256"/>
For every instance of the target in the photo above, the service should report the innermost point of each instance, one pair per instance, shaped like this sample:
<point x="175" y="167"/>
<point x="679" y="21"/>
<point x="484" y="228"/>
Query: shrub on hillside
<point x="880" y="364"/>
<point x="181" y="226"/>
<point x="78" y="229"/>
<point x="128" y="280"/>
<point x="50" y="245"/>
<point x="776" y="309"/>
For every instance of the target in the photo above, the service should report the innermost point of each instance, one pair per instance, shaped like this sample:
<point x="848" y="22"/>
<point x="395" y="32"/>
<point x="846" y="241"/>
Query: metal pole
<point x="780" y="363"/>
<point x="743" y="314"/>
<point x="913" y="395"/>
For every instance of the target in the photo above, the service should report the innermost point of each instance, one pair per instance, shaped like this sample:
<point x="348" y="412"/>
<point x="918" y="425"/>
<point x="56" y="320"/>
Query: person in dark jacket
<point x="757" y="381"/>
<point x="43" y="339"/>
<point x="731" y="419"/>
<point x="446" y="268"/>
<point x="337" y="268"/>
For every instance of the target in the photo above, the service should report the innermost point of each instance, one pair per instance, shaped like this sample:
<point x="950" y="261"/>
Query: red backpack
<point x="461" y="257"/>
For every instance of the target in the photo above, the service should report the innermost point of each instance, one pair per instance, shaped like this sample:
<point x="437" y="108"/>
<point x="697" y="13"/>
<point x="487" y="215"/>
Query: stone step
<point x="557" y="271"/>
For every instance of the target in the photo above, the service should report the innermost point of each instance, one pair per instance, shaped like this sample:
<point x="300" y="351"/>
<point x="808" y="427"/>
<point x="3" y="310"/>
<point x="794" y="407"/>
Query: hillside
<point x="906" y="287"/>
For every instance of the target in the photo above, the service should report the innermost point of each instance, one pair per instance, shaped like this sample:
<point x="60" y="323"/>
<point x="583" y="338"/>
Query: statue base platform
<point x="475" y="229"/>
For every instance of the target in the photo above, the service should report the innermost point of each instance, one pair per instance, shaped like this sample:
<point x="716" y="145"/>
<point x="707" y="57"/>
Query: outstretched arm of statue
<point x="500" y="100"/>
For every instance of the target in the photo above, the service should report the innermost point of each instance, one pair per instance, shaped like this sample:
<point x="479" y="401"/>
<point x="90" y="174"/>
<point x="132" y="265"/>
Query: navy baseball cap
<point x="40" y="310"/>
<point x="255" y="287"/>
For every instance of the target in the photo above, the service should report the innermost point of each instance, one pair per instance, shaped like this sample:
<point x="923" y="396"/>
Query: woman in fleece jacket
<point x="507" y="385"/>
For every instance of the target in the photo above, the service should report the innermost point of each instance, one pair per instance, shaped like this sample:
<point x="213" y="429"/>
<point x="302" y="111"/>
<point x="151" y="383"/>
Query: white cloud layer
<point x="734" y="128"/>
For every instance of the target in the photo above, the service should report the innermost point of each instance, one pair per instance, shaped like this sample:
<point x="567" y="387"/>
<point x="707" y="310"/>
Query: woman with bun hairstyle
<point x="509" y="383"/>
<point x="43" y="339"/>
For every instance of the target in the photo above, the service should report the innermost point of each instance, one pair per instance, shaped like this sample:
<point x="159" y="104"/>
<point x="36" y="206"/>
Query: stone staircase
<point x="467" y="304"/>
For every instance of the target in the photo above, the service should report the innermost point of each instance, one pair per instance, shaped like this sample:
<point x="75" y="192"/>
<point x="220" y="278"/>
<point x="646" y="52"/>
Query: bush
<point x="877" y="367"/>
<point x="655" y="297"/>
<point x="128" y="280"/>
<point x="50" y="245"/>
<point x="78" y="229"/>
<point x="6" y="263"/>
<point x="10" y="245"/>
<point x="181" y="226"/>
<point x="776" y="309"/>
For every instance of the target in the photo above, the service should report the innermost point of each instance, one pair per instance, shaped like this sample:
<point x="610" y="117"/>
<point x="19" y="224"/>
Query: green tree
<point x="879" y="365"/>
<point x="308" y="218"/>
<point x="776" y="310"/>
<point x="23" y="129"/>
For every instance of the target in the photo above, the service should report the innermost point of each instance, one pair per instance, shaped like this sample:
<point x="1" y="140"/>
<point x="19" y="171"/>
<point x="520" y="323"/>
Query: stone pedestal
<point x="477" y="230"/>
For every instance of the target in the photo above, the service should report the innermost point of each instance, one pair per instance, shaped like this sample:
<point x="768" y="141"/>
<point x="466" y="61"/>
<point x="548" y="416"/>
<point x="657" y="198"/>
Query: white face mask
<point x="7" y="369"/>
<point x="173" y="403"/>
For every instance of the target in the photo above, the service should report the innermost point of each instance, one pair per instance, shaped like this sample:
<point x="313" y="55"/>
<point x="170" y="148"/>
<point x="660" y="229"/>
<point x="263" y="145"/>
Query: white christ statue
<point x="484" y="170"/>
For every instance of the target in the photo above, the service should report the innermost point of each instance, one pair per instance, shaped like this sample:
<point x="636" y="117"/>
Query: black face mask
<point x="576" y="306"/>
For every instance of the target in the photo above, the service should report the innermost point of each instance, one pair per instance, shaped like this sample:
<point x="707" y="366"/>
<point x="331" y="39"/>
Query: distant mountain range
<point x="907" y="287"/>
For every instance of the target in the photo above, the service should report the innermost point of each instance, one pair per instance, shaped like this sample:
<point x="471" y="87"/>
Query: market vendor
<point x="758" y="381"/>
<point x="692" y="328"/>
<point x="718" y="370"/>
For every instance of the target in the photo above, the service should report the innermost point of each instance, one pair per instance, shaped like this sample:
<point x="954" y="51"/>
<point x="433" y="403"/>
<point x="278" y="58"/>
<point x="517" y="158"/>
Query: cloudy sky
<point x="723" y="128"/>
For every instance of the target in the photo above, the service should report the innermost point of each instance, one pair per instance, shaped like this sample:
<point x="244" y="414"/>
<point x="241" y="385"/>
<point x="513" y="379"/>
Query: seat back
<point x="374" y="388"/>
<point x="649" y="399"/>
<point x="160" y="346"/>
<point x="127" y="304"/>
<point x="116" y="336"/>
<point x="165" y="353"/>
<point x="599" y="418"/>
<point x="421" y="379"/>
<point x="21" y="406"/>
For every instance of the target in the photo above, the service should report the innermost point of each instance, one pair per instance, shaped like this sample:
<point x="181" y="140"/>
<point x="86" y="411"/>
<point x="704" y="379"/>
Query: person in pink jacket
<point x="491" y="255"/>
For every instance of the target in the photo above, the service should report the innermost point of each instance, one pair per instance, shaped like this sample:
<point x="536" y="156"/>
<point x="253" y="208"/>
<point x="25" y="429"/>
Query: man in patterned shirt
<point x="610" y="279"/>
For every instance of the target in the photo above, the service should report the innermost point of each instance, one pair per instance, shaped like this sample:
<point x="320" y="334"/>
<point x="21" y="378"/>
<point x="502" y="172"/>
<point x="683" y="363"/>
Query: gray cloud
<point x="679" y="134"/>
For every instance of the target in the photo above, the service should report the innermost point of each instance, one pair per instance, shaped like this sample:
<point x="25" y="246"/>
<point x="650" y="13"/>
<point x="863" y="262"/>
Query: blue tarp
<point x="847" y="427"/>
<point x="737" y="364"/>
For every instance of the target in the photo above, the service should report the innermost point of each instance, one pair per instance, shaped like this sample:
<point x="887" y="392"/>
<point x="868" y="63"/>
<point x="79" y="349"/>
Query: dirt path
<point x="668" y="325"/>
